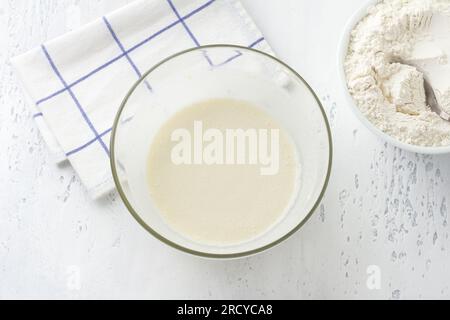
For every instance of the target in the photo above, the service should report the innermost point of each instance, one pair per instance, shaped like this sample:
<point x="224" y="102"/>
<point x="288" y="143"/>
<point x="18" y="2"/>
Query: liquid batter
<point x="217" y="201"/>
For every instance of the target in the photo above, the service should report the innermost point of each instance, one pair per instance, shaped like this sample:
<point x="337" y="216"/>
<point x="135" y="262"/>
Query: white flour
<point x="390" y="94"/>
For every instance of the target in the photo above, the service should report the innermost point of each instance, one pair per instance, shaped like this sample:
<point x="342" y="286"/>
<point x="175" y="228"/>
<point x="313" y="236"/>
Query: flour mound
<point x="390" y="94"/>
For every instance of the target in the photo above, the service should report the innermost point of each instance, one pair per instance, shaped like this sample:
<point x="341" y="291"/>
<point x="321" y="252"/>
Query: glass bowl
<point x="229" y="72"/>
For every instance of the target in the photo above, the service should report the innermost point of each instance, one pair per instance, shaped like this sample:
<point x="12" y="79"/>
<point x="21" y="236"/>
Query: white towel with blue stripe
<point x="78" y="81"/>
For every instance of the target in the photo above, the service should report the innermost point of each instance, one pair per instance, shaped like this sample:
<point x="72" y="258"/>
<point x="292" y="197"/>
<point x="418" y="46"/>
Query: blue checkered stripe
<point x="99" y="136"/>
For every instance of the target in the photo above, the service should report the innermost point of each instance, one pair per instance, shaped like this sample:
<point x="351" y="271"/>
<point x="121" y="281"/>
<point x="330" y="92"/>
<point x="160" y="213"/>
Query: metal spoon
<point x="429" y="92"/>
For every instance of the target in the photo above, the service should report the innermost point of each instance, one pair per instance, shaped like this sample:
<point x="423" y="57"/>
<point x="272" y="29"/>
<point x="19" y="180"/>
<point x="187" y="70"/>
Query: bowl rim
<point x="342" y="54"/>
<point x="181" y="248"/>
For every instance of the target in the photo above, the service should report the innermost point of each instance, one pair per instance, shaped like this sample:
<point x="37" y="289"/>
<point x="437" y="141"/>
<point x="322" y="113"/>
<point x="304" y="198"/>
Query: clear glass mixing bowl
<point x="220" y="71"/>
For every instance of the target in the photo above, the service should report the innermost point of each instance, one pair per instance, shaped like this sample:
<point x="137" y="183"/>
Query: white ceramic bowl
<point x="343" y="49"/>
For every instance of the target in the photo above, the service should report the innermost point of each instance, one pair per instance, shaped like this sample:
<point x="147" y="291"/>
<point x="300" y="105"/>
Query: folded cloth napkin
<point x="78" y="81"/>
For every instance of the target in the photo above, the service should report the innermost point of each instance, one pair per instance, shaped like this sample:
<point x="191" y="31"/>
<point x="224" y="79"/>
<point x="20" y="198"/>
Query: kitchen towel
<point x="78" y="81"/>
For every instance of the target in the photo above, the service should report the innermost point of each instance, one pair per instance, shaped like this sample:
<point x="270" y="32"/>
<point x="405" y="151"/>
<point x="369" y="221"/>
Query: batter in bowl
<point x="211" y="189"/>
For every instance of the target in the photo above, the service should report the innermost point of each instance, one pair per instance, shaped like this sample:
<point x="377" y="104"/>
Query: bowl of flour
<point x="388" y="96"/>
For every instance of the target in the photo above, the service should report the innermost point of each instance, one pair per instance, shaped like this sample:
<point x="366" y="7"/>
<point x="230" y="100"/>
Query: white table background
<point x="384" y="207"/>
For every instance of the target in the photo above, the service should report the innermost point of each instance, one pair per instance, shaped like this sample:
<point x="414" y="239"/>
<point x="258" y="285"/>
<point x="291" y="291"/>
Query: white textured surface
<point x="384" y="207"/>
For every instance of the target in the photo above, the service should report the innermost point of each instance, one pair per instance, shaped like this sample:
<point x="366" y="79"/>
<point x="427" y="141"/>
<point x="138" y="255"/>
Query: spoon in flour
<point x="429" y="93"/>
